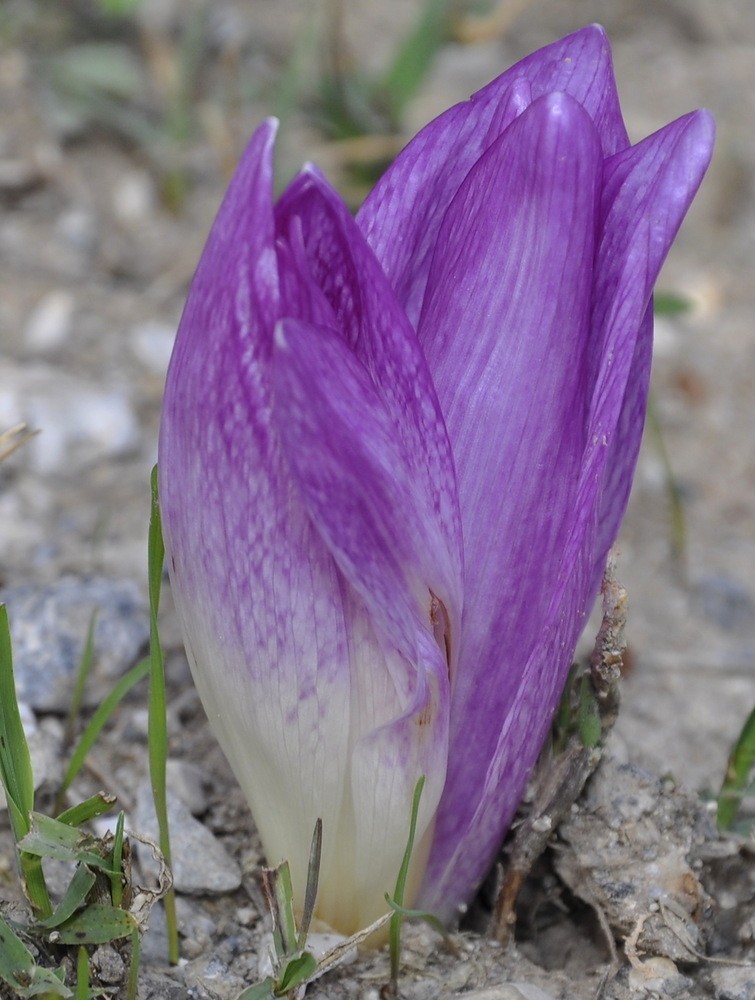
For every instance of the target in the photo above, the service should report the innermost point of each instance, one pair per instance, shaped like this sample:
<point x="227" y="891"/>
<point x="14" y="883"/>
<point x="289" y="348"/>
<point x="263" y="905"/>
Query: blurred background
<point x="120" y="124"/>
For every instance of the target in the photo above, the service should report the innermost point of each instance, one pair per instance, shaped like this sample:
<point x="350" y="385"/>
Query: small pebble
<point x="133" y="197"/>
<point x="109" y="965"/>
<point x="200" y="862"/>
<point x="725" y="602"/>
<point x="78" y="229"/>
<point x="733" y="982"/>
<point x="152" y="345"/>
<point x="188" y="781"/>
<point x="212" y="975"/>
<point x="49" y="325"/>
<point x="44" y="742"/>
<point x="509" y="991"/>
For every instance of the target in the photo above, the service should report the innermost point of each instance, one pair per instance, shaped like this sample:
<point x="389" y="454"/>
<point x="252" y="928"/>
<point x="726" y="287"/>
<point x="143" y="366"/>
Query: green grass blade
<point x="82" y="676"/>
<point x="16" y="774"/>
<point x="82" y="975"/>
<point x="15" y="762"/>
<point x="394" y="933"/>
<point x="87" y="810"/>
<point x="741" y="763"/>
<point x="99" y="720"/>
<point x="78" y="888"/>
<point x="429" y="918"/>
<point x="313" y="878"/>
<point x="260" y="991"/>
<point x="588" y="717"/>
<point x="97" y="924"/>
<point x="49" y="838"/>
<point x="158" y="726"/>
<point x="133" y="972"/>
<point x="415" y="56"/>
<point x="670" y="303"/>
<point x="116" y="882"/>
<point x="297" y="969"/>
<point x="283" y="909"/>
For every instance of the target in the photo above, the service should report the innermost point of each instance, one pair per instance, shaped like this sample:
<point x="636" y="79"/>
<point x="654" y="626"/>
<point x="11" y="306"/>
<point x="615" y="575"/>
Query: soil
<point x="110" y="175"/>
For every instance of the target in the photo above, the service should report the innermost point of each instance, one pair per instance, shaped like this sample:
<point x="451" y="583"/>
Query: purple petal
<point x="301" y="689"/>
<point x="357" y="484"/>
<point x="239" y="544"/>
<point x="327" y="250"/>
<point x="403" y="214"/>
<point x="505" y="324"/>
<point x="648" y="189"/>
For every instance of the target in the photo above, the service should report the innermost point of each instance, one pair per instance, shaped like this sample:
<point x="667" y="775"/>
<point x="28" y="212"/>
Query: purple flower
<point x="394" y="454"/>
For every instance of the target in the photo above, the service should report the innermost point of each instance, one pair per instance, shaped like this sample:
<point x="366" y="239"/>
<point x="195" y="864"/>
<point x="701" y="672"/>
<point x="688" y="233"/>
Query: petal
<point x="505" y="324"/>
<point x="356" y="482"/>
<point x="256" y="590"/>
<point x="386" y="764"/>
<point x="325" y="248"/>
<point x="403" y="214"/>
<point x="283" y="650"/>
<point x="506" y="328"/>
<point x="647" y="191"/>
<point x="581" y="66"/>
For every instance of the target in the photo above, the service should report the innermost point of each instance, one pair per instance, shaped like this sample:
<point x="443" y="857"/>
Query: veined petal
<point x="648" y="190"/>
<point x="356" y="482"/>
<point x="325" y="249"/>
<point x="581" y="66"/>
<point x="281" y="646"/>
<point x="403" y="214"/>
<point x="506" y="327"/>
<point x="386" y="763"/>
<point x="505" y="324"/>
<point x="256" y="589"/>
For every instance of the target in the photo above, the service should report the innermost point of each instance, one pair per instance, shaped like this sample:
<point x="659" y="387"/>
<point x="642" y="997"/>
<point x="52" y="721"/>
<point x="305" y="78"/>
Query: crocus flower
<point x="394" y="454"/>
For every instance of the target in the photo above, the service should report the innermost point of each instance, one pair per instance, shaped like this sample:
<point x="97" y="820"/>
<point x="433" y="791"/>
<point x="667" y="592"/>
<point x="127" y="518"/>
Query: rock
<point x="44" y="741"/>
<point x="77" y="229"/>
<point x="213" y="976"/>
<point x="79" y="422"/>
<point x="725" y="602"/>
<point x="108" y="964"/>
<point x="200" y="862"/>
<point x="49" y="325"/>
<point x="509" y="991"/>
<point x="188" y="781"/>
<point x="732" y="982"/>
<point x="160" y="987"/>
<point x="134" y="197"/>
<point x="49" y="627"/>
<point x="152" y="344"/>
<point x="631" y="846"/>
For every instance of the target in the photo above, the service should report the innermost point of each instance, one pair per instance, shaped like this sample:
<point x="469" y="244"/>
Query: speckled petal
<point x="323" y="247"/>
<point x="311" y="637"/>
<point x="256" y="589"/>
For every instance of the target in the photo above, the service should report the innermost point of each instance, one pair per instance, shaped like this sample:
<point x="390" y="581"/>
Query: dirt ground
<point x="107" y="193"/>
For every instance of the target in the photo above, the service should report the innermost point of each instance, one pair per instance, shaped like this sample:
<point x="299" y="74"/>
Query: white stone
<point x="50" y="322"/>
